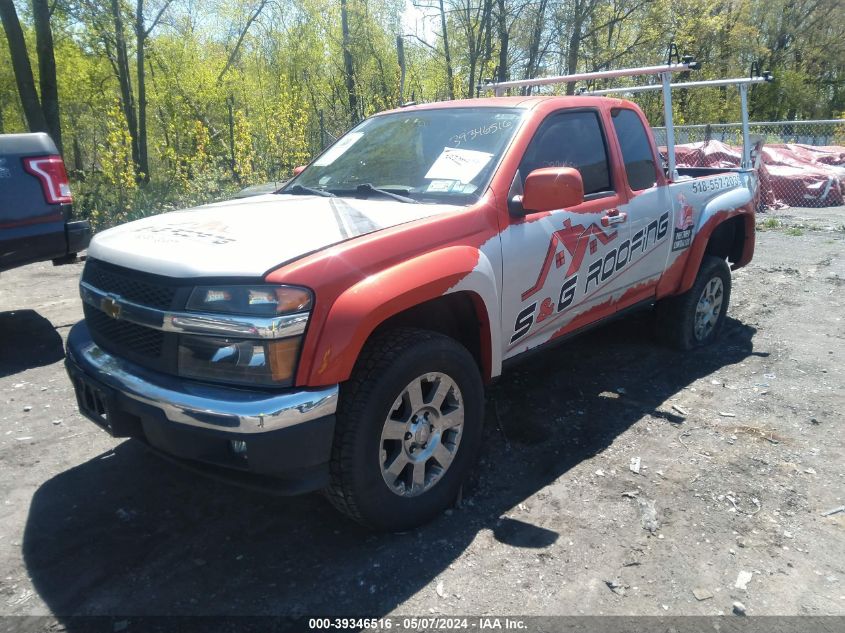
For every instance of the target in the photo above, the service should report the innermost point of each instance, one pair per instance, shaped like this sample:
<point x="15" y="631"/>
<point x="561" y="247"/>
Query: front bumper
<point x="286" y="434"/>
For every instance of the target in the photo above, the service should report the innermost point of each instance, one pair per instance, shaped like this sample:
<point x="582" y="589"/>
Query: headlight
<point x="238" y="360"/>
<point x="267" y="301"/>
<point x="268" y="363"/>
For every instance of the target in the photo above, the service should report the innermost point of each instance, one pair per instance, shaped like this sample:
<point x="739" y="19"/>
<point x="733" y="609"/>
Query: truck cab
<point x="338" y="334"/>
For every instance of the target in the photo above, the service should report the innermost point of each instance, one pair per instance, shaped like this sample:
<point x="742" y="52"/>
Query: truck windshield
<point x="446" y="155"/>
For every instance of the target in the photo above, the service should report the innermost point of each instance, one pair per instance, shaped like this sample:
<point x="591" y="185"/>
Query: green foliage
<point x="244" y="152"/>
<point x="839" y="131"/>
<point x="230" y="106"/>
<point x="107" y="197"/>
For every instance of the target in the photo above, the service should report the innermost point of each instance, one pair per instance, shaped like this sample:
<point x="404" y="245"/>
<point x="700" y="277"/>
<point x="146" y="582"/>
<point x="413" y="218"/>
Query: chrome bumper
<point x="197" y="404"/>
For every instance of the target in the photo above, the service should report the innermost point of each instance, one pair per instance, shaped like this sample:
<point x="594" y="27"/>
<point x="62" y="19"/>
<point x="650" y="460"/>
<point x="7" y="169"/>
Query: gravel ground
<point x="739" y="450"/>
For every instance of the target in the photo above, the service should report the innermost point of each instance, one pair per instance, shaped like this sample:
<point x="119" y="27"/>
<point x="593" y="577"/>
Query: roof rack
<point x="709" y="83"/>
<point x="665" y="71"/>
<point x="681" y="64"/>
<point x="741" y="82"/>
<point x="500" y="88"/>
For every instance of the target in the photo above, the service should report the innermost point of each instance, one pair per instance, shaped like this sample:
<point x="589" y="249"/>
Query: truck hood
<point x="248" y="237"/>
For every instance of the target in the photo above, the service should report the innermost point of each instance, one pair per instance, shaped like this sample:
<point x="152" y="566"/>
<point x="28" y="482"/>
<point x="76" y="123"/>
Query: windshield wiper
<point x="367" y="188"/>
<point x="299" y="190"/>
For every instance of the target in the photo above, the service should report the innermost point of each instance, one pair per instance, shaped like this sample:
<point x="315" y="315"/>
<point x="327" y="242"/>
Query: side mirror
<point x="551" y="188"/>
<point x="298" y="170"/>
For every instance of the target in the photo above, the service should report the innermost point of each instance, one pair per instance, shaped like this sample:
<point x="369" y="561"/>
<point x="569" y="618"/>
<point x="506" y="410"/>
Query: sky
<point x="414" y="21"/>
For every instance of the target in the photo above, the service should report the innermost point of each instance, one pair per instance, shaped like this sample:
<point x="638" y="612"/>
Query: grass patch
<point x="769" y="224"/>
<point x="794" y="231"/>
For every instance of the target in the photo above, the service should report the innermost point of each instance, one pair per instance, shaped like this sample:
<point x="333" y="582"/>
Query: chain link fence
<point x="817" y="133"/>
<point x="802" y="163"/>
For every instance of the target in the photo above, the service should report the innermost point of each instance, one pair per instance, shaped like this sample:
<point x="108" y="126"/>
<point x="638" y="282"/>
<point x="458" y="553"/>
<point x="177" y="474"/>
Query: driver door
<point x="559" y="266"/>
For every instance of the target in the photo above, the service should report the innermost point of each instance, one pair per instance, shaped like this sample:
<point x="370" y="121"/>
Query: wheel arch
<point x="727" y="233"/>
<point x="452" y="291"/>
<point x="729" y="240"/>
<point x="459" y="315"/>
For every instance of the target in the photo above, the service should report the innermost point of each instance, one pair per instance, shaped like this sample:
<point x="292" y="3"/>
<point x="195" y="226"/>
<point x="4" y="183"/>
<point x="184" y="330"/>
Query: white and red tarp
<point x="790" y="175"/>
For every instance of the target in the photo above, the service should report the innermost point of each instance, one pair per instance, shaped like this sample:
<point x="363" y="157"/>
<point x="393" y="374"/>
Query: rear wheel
<point x="695" y="318"/>
<point x="408" y="428"/>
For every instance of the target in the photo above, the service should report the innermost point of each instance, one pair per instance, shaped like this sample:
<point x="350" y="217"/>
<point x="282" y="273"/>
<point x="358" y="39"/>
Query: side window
<point x="636" y="149"/>
<point x="571" y="139"/>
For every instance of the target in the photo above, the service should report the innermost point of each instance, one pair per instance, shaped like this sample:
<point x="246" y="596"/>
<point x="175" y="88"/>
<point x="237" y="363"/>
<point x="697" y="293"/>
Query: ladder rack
<point x="741" y="82"/>
<point x="665" y="71"/>
<point x="500" y="88"/>
<point x="710" y="83"/>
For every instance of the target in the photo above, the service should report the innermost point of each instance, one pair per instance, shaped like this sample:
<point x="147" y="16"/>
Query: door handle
<point x="614" y="216"/>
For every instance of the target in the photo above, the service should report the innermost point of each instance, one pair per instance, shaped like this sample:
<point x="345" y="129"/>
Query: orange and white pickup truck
<point x="338" y="334"/>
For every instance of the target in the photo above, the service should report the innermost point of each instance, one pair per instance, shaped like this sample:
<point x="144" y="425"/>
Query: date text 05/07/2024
<point x="419" y="624"/>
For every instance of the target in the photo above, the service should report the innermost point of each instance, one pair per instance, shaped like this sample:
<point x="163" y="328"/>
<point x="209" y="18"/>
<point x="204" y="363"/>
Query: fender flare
<point x="718" y="210"/>
<point x="361" y="308"/>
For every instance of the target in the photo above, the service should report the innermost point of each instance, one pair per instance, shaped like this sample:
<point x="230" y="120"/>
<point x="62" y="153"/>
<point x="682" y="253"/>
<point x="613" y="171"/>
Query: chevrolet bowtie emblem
<point x="110" y="306"/>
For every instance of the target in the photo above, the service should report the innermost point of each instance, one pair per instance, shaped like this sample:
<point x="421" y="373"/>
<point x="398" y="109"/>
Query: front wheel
<point x="694" y="318"/>
<point x="408" y="429"/>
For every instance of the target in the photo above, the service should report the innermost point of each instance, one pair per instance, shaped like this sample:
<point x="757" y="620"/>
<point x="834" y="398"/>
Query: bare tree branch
<point x="241" y="37"/>
<point x="157" y="18"/>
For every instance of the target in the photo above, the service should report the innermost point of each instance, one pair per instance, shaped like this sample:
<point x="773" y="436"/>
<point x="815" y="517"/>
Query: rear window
<point x="636" y="149"/>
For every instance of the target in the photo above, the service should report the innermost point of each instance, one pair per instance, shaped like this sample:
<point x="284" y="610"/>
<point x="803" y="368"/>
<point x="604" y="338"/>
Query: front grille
<point x="144" y="346"/>
<point x="122" y="336"/>
<point x="142" y="289"/>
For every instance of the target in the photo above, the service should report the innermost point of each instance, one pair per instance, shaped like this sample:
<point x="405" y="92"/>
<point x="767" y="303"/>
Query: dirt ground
<point x="740" y="453"/>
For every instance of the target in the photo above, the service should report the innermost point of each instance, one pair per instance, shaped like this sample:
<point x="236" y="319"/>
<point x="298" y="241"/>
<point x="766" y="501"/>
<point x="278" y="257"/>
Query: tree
<point x="142" y="33"/>
<point x="504" y="41"/>
<point x="475" y="20"/>
<point x="124" y="78"/>
<point x="450" y="82"/>
<point x="33" y="113"/>
<point x="348" y="67"/>
<point x="532" y="64"/>
<point x="146" y="86"/>
<point x="233" y="55"/>
<point x="47" y="70"/>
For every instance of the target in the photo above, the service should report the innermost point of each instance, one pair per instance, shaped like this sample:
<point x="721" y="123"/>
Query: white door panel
<point x="556" y="268"/>
<point x="649" y="218"/>
<point x="568" y="268"/>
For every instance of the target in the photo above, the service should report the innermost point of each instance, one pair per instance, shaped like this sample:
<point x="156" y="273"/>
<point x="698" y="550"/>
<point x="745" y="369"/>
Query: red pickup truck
<point x="338" y="334"/>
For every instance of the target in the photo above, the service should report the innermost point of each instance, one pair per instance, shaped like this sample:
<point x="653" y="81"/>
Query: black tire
<point x="676" y="316"/>
<point x="387" y="365"/>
